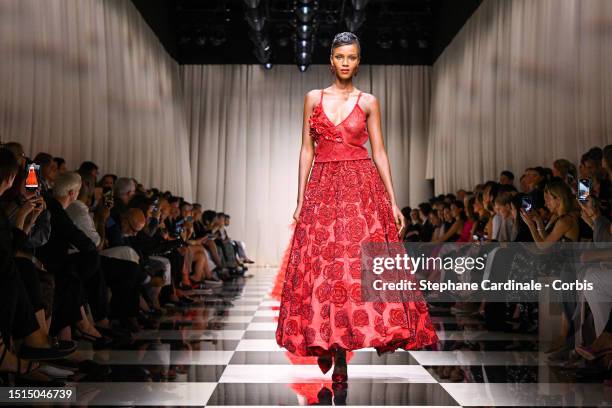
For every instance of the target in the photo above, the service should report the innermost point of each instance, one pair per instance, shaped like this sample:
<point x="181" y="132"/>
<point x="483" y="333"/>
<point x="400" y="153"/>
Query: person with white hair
<point x="71" y="271"/>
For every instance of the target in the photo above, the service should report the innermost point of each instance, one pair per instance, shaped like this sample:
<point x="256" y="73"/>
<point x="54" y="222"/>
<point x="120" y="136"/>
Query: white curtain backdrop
<point x="89" y="80"/>
<point x="523" y="83"/>
<point x="245" y="130"/>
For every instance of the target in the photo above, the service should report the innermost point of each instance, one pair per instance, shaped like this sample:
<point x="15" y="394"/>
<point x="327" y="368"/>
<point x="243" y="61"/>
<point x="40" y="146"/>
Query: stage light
<point x="305" y="13"/>
<point x="304" y="45"/>
<point x="304" y="31"/>
<point x="422" y="43"/>
<point x="268" y="65"/>
<point x="255" y="19"/>
<point x="303" y="67"/>
<point x="200" y="40"/>
<point x="303" y="58"/>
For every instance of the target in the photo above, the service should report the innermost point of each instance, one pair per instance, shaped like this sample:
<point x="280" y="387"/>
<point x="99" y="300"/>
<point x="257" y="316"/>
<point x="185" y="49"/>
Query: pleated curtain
<point x="523" y="83"/>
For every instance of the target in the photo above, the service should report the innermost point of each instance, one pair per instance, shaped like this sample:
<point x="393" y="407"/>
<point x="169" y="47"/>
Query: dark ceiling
<point x="405" y="32"/>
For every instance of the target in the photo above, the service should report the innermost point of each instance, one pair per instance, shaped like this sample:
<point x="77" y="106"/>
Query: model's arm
<point x="379" y="155"/>
<point x="306" y="151"/>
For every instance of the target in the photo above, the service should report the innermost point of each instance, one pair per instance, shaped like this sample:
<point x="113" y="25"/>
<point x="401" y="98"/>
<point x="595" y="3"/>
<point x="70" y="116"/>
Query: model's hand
<point x="400" y="221"/>
<point x="297" y="212"/>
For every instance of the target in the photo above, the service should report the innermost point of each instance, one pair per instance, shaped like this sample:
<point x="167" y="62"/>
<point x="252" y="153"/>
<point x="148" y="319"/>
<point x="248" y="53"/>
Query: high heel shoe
<point x="324" y="362"/>
<point x="340" y="374"/>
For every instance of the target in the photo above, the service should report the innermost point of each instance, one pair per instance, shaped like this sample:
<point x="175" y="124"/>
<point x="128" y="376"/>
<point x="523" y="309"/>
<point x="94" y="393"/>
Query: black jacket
<point x="64" y="235"/>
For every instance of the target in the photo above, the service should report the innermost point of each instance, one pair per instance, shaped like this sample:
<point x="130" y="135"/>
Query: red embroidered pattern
<point x="345" y="204"/>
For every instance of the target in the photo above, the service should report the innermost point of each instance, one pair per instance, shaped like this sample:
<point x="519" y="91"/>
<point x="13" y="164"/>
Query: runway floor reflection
<point x="222" y="352"/>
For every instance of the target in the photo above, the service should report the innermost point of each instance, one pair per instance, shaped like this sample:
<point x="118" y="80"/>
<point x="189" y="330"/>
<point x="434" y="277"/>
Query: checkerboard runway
<point x="225" y="354"/>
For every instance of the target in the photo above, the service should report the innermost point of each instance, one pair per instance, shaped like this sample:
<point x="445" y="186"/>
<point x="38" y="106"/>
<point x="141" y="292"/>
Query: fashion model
<point x="347" y="200"/>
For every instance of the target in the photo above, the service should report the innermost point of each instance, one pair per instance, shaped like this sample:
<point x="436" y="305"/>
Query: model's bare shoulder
<point x="369" y="102"/>
<point x="311" y="97"/>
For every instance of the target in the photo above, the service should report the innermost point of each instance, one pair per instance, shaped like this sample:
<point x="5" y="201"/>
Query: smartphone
<point x="584" y="189"/>
<point x="526" y="203"/>
<point x="31" y="183"/>
<point x="178" y="228"/>
<point x="155" y="206"/>
<point x="107" y="197"/>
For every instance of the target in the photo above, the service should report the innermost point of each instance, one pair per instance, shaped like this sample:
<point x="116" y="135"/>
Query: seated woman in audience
<point x="482" y="218"/>
<point x="562" y="227"/>
<point x="31" y="226"/>
<point x="61" y="165"/>
<point x="48" y="171"/>
<point x="467" y="232"/>
<point x="455" y="219"/>
<point x="17" y="318"/>
<point x="600" y="298"/>
<point x="202" y="272"/>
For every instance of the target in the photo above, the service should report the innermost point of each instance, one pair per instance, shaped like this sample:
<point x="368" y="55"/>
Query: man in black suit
<point x="427" y="228"/>
<point x="71" y="270"/>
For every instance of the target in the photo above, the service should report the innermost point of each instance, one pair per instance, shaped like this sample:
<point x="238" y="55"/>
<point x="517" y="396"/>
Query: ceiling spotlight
<point x="303" y="44"/>
<point x="303" y="67"/>
<point x="304" y="31"/>
<point x="268" y="65"/>
<point x="303" y="58"/>
<point x="200" y="40"/>
<point x="255" y="19"/>
<point x="360" y="4"/>
<point x="356" y="20"/>
<point x="422" y="43"/>
<point x="305" y="13"/>
<point x="252" y="3"/>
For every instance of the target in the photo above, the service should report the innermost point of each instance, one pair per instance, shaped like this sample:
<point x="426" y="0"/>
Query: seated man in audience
<point x="239" y="246"/>
<point x="122" y="276"/>
<point x="72" y="271"/>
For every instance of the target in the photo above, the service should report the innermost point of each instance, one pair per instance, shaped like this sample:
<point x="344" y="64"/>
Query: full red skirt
<point x="345" y="204"/>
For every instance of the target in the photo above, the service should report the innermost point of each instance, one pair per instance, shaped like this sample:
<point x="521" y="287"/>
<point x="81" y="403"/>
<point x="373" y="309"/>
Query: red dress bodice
<point x="344" y="141"/>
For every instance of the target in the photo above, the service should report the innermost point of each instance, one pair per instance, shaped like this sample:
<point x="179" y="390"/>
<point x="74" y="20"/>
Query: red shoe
<point x="324" y="362"/>
<point x="340" y="374"/>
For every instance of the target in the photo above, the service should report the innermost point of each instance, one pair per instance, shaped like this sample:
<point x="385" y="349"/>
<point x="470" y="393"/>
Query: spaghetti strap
<point x="321" y="100"/>
<point x="359" y="96"/>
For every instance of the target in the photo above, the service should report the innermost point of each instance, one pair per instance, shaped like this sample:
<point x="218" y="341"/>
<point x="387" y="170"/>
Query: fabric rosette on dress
<point x="345" y="205"/>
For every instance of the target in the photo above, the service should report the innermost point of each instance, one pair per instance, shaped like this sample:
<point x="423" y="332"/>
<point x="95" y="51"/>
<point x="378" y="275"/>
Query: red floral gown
<point x="345" y="204"/>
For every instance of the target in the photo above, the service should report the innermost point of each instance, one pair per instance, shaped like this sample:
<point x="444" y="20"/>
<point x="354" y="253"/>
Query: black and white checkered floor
<point x="225" y="355"/>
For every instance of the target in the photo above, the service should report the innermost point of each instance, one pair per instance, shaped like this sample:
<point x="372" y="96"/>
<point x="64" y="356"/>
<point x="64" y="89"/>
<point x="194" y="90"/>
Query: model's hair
<point x="345" y="38"/>
<point x="559" y="189"/>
